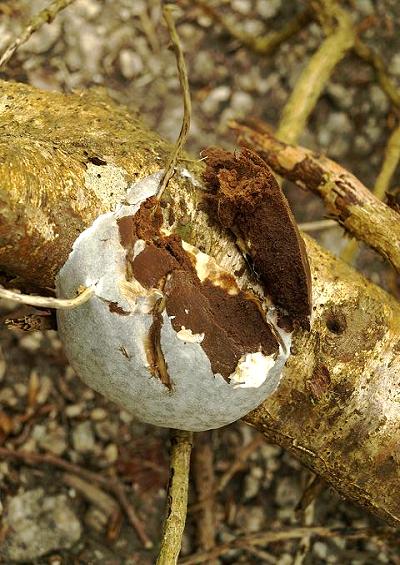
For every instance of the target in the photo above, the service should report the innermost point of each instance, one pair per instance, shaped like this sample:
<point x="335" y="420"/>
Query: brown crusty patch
<point x="233" y="325"/>
<point x="244" y="196"/>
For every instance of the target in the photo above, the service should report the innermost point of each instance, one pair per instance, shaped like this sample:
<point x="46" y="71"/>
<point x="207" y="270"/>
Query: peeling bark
<point x="66" y="159"/>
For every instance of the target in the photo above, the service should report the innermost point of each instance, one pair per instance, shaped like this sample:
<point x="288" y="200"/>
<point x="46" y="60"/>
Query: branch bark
<point x="337" y="408"/>
<point x="346" y="199"/>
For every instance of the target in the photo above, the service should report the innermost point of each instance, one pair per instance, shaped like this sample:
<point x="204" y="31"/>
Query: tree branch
<point x="317" y="72"/>
<point x="337" y="408"/>
<point x="345" y="197"/>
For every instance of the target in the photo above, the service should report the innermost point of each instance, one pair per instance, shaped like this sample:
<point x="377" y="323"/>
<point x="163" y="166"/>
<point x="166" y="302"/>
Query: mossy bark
<point x="64" y="159"/>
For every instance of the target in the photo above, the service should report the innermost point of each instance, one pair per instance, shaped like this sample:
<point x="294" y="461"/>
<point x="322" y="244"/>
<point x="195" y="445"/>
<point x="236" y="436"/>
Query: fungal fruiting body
<point x="168" y="335"/>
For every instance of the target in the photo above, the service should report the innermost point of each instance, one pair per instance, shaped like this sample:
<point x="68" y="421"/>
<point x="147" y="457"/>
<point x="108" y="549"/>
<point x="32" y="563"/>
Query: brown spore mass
<point x="244" y="196"/>
<point x="233" y="325"/>
<point x="143" y="225"/>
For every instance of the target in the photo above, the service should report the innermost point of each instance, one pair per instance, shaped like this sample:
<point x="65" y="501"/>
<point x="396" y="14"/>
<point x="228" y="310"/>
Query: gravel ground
<point x="122" y="45"/>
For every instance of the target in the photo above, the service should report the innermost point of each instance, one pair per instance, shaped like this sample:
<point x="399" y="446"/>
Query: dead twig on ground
<point x="113" y="485"/>
<point x="177" y="496"/>
<point x="38" y="321"/>
<point x="243" y="454"/>
<point x="305" y="512"/>
<point x="187" y="104"/>
<point x="389" y="165"/>
<point x="44" y="16"/>
<point x="241" y="457"/>
<point x="317" y="225"/>
<point x="284" y="534"/>
<point x="368" y="55"/>
<point x="261" y="45"/>
<point x="310" y="493"/>
<point x="204" y="480"/>
<point x="316" y="73"/>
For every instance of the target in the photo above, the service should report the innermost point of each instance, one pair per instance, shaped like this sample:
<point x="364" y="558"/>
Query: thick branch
<point x="345" y="197"/>
<point x="337" y="408"/>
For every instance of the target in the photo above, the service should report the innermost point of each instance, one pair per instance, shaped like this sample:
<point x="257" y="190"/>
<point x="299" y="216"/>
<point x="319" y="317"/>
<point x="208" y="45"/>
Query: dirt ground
<point x="44" y="408"/>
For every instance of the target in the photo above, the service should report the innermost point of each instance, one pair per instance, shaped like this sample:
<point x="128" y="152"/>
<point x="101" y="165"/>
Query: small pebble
<point x="46" y="386"/>
<point x="3" y="368"/>
<point x="379" y="100"/>
<point x="285" y="559"/>
<point x="215" y="99"/>
<point x="31" y="342"/>
<point x="125" y="417"/>
<point x="98" y="414"/>
<point x="96" y="519"/>
<point x="37" y="524"/>
<point x="111" y="452"/>
<point x="394" y="66"/>
<point x="83" y="438"/>
<point x="21" y="389"/>
<point x="74" y="410"/>
<point x="320" y="550"/>
<point x="53" y="440"/>
<point x="131" y="64"/>
<point x="241" y="6"/>
<point x="106" y="430"/>
<point x="366" y="7"/>
<point x="7" y="396"/>
<point x="268" y="8"/>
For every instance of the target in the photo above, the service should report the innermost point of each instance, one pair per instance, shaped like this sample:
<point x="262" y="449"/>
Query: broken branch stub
<point x="169" y="335"/>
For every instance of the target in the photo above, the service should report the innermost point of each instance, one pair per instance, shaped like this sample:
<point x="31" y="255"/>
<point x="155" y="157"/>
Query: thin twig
<point x="241" y="458"/>
<point x="40" y="321"/>
<point x="48" y="301"/>
<point x="382" y="184"/>
<point x="177" y="496"/>
<point x="312" y="490"/>
<point x="377" y="63"/>
<point x="204" y="479"/>
<point x="44" y="16"/>
<point x="113" y="485"/>
<point x="261" y="45"/>
<point x="305" y="542"/>
<point x="242" y="455"/>
<point x="133" y="518"/>
<point x="316" y="73"/>
<point x="390" y="163"/>
<point x="263" y="555"/>
<point x="187" y="104"/>
<point x="305" y="513"/>
<point x="92" y="493"/>
<point x="285" y="534"/>
<point x="317" y="225"/>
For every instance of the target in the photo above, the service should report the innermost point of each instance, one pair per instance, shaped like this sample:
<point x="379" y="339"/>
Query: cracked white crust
<point x="108" y="349"/>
